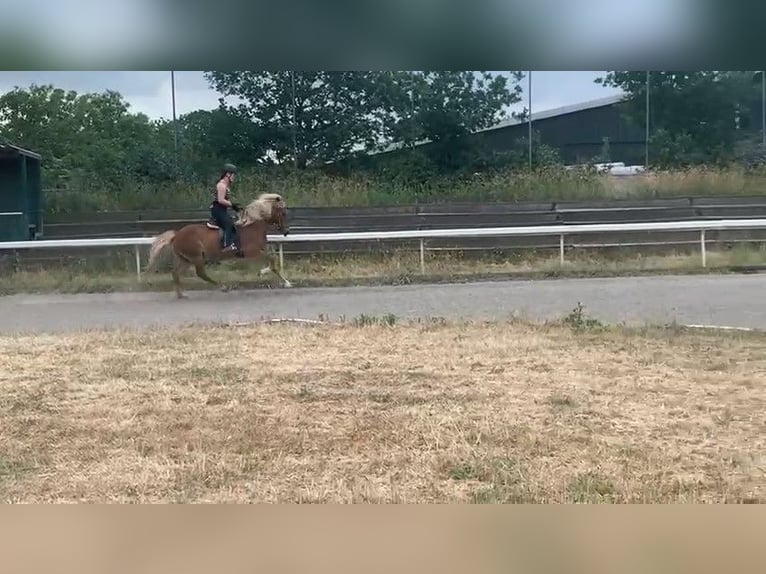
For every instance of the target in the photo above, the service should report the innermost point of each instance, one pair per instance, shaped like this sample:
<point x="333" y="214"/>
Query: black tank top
<point x="215" y="194"/>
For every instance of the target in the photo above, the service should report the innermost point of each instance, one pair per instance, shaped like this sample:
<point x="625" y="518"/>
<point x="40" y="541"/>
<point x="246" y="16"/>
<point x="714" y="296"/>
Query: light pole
<point x="175" y="122"/>
<point x="763" y="108"/>
<point x="295" y="137"/>
<point x="529" y="104"/>
<point x="646" y="142"/>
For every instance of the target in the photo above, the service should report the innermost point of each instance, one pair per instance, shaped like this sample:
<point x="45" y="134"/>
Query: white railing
<point x="422" y="235"/>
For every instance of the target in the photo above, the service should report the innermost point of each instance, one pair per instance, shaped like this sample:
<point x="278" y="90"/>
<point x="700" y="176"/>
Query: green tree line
<point x="299" y="119"/>
<point x="694" y="117"/>
<point x="287" y="123"/>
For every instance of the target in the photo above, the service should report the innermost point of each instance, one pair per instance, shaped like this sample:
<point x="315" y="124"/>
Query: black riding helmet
<point x="229" y="168"/>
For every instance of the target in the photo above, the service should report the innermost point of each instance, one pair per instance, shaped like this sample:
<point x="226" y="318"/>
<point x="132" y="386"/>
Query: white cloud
<point x="159" y="104"/>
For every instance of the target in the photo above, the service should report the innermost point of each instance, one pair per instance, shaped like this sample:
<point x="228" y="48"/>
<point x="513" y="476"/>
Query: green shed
<point x="21" y="194"/>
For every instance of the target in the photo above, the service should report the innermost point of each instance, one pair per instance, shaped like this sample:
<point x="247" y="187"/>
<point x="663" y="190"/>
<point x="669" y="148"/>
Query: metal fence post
<point x="561" y="249"/>
<point x="702" y="248"/>
<point x="422" y="257"/>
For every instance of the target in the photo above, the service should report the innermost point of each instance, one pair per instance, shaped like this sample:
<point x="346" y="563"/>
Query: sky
<point x="150" y="91"/>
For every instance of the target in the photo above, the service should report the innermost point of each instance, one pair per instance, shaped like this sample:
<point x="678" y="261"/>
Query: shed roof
<point x="8" y="148"/>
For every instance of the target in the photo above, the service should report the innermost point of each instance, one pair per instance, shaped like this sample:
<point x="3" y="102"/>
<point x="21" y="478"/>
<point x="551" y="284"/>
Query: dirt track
<point x="712" y="300"/>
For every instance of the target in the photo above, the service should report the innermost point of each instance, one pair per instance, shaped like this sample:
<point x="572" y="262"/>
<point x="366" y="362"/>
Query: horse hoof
<point x="288" y="285"/>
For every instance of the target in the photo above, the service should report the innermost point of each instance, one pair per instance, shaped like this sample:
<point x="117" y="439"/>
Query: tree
<point x="212" y="137"/>
<point x="332" y="114"/>
<point x="339" y="113"/>
<point x="83" y="135"/>
<point x="694" y="116"/>
<point x="445" y="107"/>
<point x="448" y="105"/>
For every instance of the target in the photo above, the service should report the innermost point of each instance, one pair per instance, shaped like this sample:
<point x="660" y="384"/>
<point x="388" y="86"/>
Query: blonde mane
<point x="260" y="209"/>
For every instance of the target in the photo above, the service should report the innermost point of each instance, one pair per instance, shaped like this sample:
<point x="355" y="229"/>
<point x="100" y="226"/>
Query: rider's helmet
<point x="229" y="168"/>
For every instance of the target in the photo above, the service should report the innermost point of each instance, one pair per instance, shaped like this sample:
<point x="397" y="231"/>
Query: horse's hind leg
<point x="199" y="267"/>
<point x="179" y="265"/>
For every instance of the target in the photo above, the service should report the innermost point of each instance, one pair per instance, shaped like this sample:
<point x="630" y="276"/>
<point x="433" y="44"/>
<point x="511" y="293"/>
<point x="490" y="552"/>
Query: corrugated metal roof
<point x="545" y="114"/>
<point x="5" y="146"/>
<point x="562" y="111"/>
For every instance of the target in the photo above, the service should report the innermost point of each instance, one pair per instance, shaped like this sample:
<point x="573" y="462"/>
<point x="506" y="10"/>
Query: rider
<point x="219" y="208"/>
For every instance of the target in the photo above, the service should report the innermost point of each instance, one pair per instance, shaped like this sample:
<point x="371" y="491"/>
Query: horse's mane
<point x="260" y="209"/>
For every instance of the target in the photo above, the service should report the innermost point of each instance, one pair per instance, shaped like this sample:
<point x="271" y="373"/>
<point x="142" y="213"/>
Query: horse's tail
<point x="161" y="246"/>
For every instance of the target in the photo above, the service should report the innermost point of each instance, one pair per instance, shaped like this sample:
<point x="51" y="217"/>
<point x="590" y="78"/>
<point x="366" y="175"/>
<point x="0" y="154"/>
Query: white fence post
<point x="422" y="257"/>
<point x="138" y="262"/>
<point x="702" y="248"/>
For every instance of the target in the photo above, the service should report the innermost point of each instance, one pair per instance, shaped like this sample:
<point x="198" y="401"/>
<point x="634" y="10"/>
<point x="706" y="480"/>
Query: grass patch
<point x="591" y="487"/>
<point x="364" y="320"/>
<point x="374" y="411"/>
<point x="396" y="267"/>
<point x="563" y="401"/>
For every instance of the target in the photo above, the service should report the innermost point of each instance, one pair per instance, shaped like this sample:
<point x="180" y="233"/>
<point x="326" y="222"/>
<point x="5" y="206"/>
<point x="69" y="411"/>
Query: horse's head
<point x="279" y="215"/>
<point x="269" y="208"/>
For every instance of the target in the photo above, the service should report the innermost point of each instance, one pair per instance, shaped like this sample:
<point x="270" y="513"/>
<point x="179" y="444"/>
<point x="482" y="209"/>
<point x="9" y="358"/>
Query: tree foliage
<point x="695" y="117"/>
<point x="444" y="107"/>
<point x="315" y="117"/>
<point x="306" y="117"/>
<point x="81" y="134"/>
<point x="211" y="138"/>
<point x="95" y="141"/>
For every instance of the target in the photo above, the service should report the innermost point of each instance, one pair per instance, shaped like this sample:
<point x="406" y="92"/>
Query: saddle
<point x="211" y="224"/>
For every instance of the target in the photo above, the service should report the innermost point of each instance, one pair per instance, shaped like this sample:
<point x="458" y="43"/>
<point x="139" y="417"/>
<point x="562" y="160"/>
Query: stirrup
<point x="237" y="250"/>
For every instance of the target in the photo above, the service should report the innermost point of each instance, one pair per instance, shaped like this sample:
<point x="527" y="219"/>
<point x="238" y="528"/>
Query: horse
<point x="199" y="243"/>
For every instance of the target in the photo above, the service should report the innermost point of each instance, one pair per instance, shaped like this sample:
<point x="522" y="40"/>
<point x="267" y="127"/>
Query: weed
<point x="578" y="321"/>
<point x="364" y="320"/>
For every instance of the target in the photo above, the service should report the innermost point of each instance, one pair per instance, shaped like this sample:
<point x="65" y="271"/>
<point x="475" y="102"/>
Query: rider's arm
<point x="221" y="189"/>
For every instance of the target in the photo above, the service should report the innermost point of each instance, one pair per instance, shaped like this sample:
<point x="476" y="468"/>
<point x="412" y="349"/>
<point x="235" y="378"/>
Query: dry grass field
<point x="378" y="411"/>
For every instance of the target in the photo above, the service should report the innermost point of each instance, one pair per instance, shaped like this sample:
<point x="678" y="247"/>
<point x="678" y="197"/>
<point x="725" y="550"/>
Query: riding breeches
<point x="220" y="214"/>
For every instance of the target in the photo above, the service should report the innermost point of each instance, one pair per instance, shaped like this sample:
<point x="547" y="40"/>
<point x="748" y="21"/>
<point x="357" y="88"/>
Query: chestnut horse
<point x="199" y="243"/>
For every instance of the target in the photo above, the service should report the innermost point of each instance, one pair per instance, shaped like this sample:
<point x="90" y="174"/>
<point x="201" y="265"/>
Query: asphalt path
<point x="730" y="300"/>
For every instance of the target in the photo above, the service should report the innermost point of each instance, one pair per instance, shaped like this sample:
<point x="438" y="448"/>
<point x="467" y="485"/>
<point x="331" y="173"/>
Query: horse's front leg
<point x="272" y="267"/>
